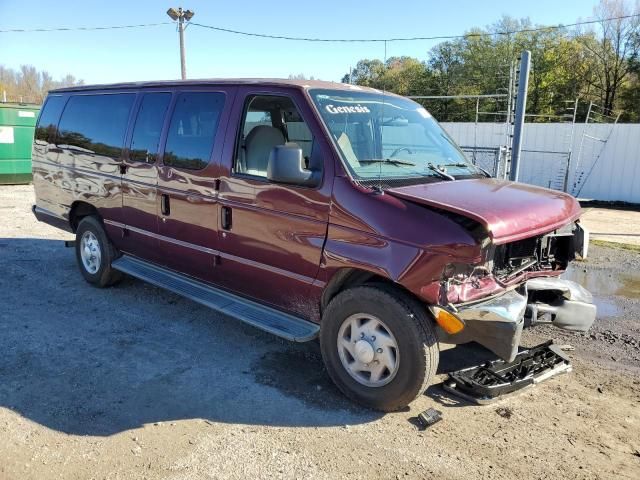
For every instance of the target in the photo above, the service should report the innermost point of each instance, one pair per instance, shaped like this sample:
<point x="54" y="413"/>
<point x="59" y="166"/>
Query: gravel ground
<point x="135" y="382"/>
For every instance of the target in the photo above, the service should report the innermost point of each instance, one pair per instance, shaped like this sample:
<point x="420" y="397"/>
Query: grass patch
<point x="619" y="246"/>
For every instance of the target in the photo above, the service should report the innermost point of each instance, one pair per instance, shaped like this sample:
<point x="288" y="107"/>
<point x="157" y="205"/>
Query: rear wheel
<point x="94" y="253"/>
<point x="379" y="346"/>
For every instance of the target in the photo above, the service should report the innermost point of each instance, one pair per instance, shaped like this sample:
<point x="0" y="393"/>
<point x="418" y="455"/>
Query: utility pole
<point x="181" y="16"/>
<point x="521" y="110"/>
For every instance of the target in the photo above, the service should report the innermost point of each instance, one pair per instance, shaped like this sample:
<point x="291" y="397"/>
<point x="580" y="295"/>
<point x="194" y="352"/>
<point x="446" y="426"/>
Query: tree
<point x="405" y="75"/>
<point x="30" y="85"/>
<point x="447" y="68"/>
<point x="600" y="65"/>
<point x="300" y="76"/>
<point x="611" y="46"/>
<point x="630" y="94"/>
<point x="367" y="73"/>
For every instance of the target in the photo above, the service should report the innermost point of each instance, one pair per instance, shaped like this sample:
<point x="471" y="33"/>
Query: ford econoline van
<point x="309" y="209"/>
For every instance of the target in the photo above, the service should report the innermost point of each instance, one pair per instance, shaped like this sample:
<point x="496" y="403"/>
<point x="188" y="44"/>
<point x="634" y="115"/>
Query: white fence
<point x="608" y="171"/>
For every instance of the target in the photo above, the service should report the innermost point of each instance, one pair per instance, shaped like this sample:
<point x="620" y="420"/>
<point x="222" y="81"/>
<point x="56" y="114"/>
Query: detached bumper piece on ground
<point x="493" y="380"/>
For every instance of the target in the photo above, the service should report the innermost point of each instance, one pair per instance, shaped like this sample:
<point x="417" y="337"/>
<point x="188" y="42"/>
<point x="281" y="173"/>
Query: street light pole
<point x="183" y="61"/>
<point x="180" y="16"/>
<point x="521" y="111"/>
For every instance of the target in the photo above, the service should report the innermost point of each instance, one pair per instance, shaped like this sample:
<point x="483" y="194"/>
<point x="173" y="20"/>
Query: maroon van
<point x="309" y="209"/>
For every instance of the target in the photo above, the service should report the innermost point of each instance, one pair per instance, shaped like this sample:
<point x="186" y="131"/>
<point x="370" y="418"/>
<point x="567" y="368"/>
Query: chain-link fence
<point x="492" y="159"/>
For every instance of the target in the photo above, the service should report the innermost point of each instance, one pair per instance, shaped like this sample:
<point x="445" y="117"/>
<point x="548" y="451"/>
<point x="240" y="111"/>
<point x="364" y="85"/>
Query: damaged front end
<point x="517" y="285"/>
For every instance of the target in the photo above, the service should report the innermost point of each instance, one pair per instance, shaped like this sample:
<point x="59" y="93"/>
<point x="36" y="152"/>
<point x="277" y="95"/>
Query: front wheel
<point x="94" y="253"/>
<point x="379" y="346"/>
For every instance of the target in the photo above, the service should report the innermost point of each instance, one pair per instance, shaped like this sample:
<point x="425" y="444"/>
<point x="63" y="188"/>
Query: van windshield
<point x="389" y="136"/>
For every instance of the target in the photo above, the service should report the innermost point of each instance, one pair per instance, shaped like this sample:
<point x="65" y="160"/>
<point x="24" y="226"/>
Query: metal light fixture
<point x="173" y="13"/>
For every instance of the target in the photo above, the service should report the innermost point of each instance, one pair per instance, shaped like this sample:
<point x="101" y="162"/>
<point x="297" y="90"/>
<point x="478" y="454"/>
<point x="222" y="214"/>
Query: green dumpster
<point x="17" y="125"/>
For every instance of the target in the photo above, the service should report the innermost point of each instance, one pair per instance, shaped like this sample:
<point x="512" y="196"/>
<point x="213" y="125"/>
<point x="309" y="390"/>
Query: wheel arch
<point x="349" y="277"/>
<point x="79" y="210"/>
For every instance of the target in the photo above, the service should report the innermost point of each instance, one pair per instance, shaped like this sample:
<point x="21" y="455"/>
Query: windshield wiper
<point x="465" y="165"/>
<point x="440" y="171"/>
<point x="484" y="171"/>
<point x="459" y="164"/>
<point x="392" y="161"/>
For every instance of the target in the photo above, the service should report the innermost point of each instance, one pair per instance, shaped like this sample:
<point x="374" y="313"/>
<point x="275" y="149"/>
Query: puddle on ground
<point x="605" y="307"/>
<point x="603" y="283"/>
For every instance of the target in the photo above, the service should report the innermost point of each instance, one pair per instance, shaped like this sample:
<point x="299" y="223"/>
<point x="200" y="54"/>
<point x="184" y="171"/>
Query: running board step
<point x="265" y="318"/>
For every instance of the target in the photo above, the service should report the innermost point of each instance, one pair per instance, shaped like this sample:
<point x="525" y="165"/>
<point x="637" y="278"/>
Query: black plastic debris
<point x="493" y="380"/>
<point x="504" y="412"/>
<point x="429" y="417"/>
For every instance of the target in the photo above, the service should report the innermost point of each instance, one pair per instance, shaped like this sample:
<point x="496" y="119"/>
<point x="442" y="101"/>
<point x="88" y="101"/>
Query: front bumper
<point x="497" y="323"/>
<point x="571" y="306"/>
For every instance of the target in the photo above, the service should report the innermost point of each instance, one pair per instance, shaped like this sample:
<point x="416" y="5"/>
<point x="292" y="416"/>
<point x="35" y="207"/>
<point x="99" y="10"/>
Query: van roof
<point x="301" y="84"/>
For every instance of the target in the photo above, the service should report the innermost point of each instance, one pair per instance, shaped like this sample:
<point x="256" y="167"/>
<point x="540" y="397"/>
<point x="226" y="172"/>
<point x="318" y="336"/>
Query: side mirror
<point x="286" y="165"/>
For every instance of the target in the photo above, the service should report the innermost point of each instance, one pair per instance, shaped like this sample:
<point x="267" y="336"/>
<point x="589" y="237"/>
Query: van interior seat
<point x="258" y="145"/>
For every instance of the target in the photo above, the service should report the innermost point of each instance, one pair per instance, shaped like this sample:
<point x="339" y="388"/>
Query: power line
<point x="311" y="39"/>
<point x="73" y="29"/>
<point x="408" y="39"/>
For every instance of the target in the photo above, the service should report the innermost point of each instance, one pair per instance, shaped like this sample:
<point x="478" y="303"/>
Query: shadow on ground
<point x="87" y="361"/>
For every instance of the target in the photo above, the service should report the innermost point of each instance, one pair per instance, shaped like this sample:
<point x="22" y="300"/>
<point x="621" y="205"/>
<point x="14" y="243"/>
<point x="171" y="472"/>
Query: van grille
<point x="552" y="251"/>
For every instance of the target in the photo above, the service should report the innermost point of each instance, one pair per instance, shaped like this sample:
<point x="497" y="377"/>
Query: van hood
<point x="509" y="211"/>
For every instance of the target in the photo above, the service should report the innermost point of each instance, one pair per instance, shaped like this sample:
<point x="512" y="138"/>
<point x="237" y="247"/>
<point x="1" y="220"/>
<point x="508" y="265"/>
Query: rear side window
<point x="49" y="117"/>
<point x="96" y="123"/>
<point x="148" y="127"/>
<point x="193" y="129"/>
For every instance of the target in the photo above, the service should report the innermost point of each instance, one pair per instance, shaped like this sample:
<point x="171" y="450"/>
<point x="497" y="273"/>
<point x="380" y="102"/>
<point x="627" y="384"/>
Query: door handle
<point x="226" y="218"/>
<point x="165" y="206"/>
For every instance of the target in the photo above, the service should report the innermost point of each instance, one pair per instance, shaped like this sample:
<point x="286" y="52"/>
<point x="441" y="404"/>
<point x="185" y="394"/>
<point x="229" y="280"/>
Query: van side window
<point x="269" y="120"/>
<point x="96" y="123"/>
<point x="148" y="127"/>
<point x="193" y="129"/>
<point x="49" y="118"/>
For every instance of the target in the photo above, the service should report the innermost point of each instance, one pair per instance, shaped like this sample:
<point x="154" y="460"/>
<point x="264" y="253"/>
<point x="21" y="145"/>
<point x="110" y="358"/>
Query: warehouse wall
<point x="611" y="169"/>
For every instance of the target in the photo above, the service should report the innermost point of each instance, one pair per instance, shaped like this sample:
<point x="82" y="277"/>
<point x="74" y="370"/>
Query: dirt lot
<point x="612" y="225"/>
<point x="135" y="382"/>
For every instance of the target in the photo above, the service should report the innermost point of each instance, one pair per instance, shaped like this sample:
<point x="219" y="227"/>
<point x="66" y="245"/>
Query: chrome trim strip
<point x="245" y="261"/>
<point x="163" y="238"/>
<point x="262" y="266"/>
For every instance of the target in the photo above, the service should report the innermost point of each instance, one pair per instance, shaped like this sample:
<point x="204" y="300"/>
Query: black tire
<point x="104" y="276"/>
<point x="413" y="329"/>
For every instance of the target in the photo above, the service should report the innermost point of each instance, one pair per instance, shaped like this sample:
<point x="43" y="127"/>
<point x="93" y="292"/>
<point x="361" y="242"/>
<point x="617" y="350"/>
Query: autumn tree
<point x="599" y="64"/>
<point x="611" y="45"/>
<point x="30" y="85"/>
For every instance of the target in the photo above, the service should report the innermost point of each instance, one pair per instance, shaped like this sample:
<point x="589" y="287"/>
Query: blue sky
<point x="152" y="53"/>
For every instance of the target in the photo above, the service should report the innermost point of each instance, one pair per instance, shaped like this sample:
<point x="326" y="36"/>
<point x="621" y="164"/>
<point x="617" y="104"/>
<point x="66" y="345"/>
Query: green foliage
<point x="600" y="65"/>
